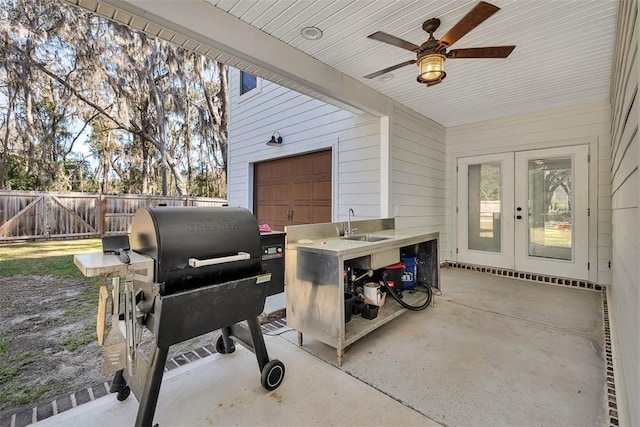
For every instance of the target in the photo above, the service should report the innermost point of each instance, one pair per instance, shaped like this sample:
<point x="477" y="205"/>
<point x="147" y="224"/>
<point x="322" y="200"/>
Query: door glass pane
<point x="550" y="215"/>
<point x="485" y="207"/>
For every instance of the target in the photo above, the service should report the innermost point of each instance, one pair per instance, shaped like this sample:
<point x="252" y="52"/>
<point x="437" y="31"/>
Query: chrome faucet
<point x="349" y="231"/>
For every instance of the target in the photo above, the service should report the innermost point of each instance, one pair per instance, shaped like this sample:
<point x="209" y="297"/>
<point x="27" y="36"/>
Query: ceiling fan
<point x="430" y="55"/>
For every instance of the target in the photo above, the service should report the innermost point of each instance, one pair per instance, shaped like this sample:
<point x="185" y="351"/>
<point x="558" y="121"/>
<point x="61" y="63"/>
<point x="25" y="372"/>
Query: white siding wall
<point x="417" y="170"/>
<point x="306" y="125"/>
<point x="587" y="123"/>
<point x="625" y="218"/>
<point x="417" y="160"/>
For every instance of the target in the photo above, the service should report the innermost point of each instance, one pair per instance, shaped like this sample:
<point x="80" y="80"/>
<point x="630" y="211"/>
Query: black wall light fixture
<point x="275" y="141"/>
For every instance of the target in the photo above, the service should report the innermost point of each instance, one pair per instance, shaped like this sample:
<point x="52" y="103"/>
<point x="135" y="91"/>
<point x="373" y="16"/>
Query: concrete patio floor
<point x="490" y="351"/>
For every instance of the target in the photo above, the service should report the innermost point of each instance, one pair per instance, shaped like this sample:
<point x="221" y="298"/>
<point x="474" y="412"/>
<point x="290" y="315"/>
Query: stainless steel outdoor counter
<point x="317" y="257"/>
<point x="341" y="246"/>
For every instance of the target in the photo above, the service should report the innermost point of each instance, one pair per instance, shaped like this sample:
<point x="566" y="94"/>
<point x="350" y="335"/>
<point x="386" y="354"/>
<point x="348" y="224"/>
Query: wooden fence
<point x="32" y="215"/>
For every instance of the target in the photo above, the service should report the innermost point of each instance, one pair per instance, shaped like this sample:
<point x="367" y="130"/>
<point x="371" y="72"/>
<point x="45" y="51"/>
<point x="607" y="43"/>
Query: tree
<point x="148" y="106"/>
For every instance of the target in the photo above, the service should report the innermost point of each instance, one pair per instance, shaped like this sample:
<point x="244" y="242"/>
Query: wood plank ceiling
<point x="563" y="56"/>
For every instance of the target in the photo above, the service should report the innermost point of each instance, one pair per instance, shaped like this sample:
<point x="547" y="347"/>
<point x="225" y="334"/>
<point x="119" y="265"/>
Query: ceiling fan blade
<point x="475" y="17"/>
<point x="386" y="70"/>
<point x="481" y="52"/>
<point x="393" y="40"/>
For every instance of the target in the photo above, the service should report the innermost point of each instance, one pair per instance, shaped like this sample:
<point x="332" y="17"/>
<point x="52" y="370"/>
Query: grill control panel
<point x="272" y="252"/>
<point x="272" y="257"/>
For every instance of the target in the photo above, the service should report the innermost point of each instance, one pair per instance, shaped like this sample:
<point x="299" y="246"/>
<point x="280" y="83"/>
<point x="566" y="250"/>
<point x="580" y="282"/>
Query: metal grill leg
<point x="259" y="347"/>
<point x="228" y="342"/>
<point x="147" y="407"/>
<point x="118" y="383"/>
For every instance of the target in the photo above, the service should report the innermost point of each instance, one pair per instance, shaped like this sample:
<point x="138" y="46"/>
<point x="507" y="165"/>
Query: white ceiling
<point x="563" y="54"/>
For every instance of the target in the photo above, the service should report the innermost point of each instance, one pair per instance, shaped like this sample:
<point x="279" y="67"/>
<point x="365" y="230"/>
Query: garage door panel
<point x="322" y="164"/>
<point x="266" y="173"/>
<point x="280" y="212"/>
<point x="302" y="191"/>
<point x="264" y="193"/>
<point x="302" y="167"/>
<point x="302" y="214"/>
<point x="322" y="191"/>
<point x="267" y="211"/>
<point x="300" y="184"/>
<point x="280" y="173"/>
<point x="280" y="192"/>
<point x="320" y="213"/>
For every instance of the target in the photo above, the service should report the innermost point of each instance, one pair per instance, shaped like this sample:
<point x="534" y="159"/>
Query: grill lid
<point x="174" y="235"/>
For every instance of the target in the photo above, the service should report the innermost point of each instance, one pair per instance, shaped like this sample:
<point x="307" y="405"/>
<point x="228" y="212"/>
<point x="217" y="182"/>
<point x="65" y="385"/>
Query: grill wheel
<point x="272" y="374"/>
<point x="123" y="394"/>
<point x="220" y="348"/>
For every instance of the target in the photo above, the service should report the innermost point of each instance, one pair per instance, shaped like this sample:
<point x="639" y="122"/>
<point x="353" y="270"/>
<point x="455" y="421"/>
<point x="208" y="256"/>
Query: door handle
<point x="291" y="219"/>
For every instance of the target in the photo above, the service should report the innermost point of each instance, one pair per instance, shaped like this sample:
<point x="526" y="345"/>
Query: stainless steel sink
<point x="366" y="238"/>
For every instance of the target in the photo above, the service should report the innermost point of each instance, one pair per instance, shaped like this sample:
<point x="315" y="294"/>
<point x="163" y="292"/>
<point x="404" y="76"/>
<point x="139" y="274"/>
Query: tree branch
<point x="122" y="125"/>
<point x="75" y="139"/>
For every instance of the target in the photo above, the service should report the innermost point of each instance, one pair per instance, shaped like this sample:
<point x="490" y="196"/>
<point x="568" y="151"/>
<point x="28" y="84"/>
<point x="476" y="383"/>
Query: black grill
<point x="207" y="275"/>
<point x="174" y="235"/>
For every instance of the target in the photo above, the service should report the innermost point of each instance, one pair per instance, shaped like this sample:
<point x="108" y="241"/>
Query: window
<point x="250" y="85"/>
<point x="247" y="82"/>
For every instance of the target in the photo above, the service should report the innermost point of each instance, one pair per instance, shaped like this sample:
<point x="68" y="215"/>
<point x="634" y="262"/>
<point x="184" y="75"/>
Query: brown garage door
<point x="293" y="190"/>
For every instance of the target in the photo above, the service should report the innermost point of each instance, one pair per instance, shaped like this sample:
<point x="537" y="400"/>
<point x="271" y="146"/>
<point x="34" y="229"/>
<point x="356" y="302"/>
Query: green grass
<point x="45" y="258"/>
<point x="48" y="248"/>
<point x="14" y="365"/>
<point x="23" y="395"/>
<point x="4" y="346"/>
<point x="53" y="258"/>
<point x="87" y="336"/>
<point x="7" y="374"/>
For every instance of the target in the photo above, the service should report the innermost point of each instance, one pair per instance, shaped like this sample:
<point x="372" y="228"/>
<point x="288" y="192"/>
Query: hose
<point x="396" y="297"/>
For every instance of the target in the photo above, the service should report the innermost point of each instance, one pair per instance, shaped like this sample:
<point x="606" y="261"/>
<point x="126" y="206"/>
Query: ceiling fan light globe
<point x="431" y="68"/>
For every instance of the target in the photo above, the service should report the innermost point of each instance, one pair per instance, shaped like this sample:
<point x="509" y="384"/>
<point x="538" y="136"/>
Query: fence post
<point x="103" y="214"/>
<point x="47" y="213"/>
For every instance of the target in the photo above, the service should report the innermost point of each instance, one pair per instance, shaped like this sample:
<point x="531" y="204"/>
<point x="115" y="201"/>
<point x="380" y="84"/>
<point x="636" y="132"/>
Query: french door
<point x="526" y="211"/>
